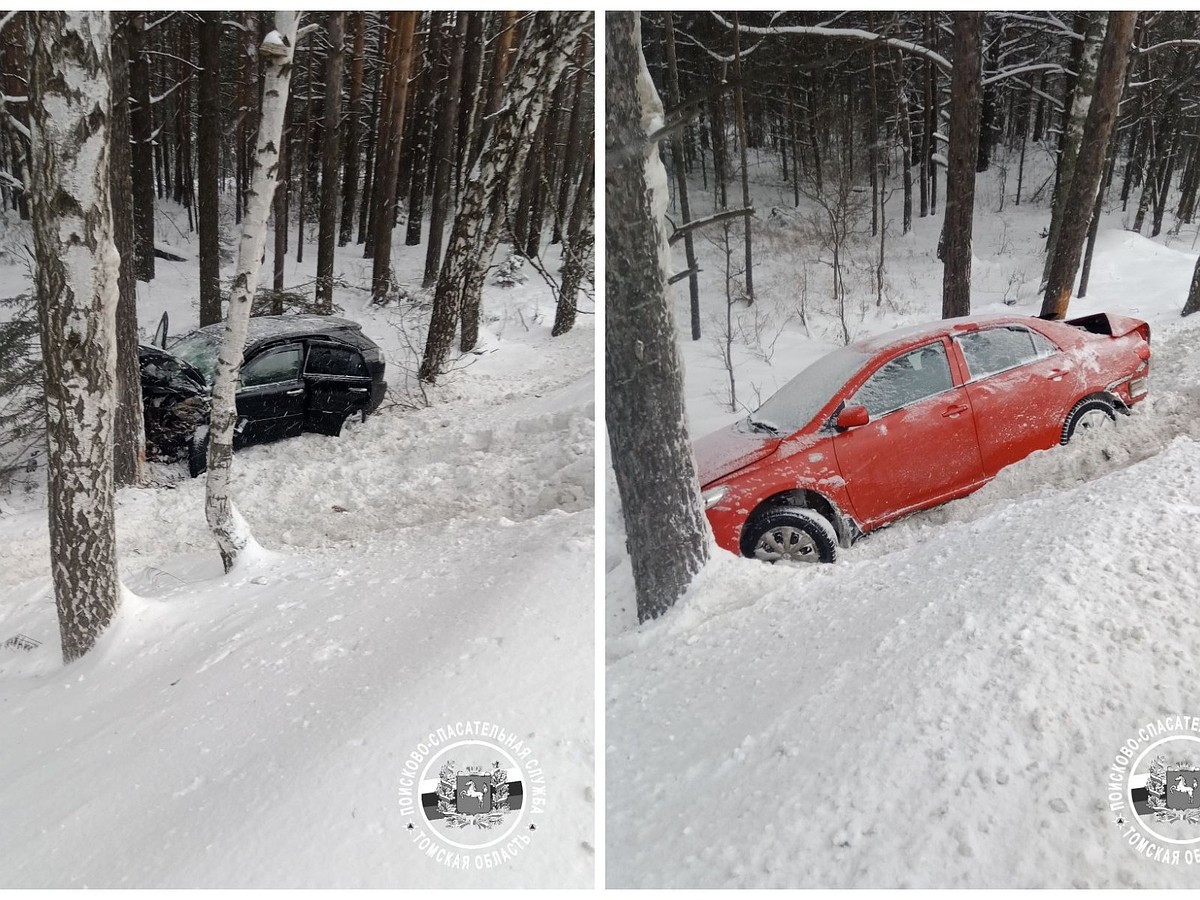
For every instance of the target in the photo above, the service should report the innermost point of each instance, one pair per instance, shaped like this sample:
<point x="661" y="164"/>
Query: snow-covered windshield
<point x="200" y="349"/>
<point x="793" y="406"/>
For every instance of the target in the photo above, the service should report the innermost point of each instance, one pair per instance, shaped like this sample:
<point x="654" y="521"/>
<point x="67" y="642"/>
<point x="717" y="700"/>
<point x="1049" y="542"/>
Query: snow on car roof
<point x="888" y="339"/>
<point x="265" y="327"/>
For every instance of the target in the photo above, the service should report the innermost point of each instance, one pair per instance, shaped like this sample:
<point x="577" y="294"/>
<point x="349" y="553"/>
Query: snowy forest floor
<point x="434" y="564"/>
<point x="941" y="707"/>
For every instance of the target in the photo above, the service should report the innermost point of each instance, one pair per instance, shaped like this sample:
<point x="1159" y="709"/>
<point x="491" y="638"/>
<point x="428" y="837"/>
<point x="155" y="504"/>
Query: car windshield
<point x="200" y="350"/>
<point x="793" y="406"/>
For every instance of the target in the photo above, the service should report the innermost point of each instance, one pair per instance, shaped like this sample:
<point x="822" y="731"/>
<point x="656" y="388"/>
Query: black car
<point x="299" y="373"/>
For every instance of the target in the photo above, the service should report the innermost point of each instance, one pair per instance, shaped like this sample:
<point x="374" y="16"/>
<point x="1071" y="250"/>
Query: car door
<point x="1021" y="387"/>
<point x="270" y="397"/>
<point x="339" y="384"/>
<point x="919" y="446"/>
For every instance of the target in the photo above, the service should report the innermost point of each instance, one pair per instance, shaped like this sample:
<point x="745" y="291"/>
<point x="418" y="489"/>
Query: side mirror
<point x="853" y="417"/>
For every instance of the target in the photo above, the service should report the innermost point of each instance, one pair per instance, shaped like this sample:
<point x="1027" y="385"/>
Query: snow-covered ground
<point x="940" y="708"/>
<point x="432" y="565"/>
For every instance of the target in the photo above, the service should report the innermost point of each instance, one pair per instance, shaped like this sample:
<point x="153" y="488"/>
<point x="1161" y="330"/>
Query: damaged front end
<point x="175" y="402"/>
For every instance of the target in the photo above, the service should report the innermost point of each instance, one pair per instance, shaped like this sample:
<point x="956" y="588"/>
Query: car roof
<point x="902" y="337"/>
<point x="266" y="329"/>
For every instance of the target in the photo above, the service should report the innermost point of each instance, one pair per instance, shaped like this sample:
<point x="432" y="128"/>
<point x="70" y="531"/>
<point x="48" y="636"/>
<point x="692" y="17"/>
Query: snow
<point x="942" y="707"/>
<point x="433" y="564"/>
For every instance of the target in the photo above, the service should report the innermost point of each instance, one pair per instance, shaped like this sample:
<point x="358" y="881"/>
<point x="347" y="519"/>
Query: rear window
<point x="326" y="359"/>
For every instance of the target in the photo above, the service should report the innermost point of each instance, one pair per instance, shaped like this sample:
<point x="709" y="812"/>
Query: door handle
<point x="1056" y="374"/>
<point x="295" y="392"/>
<point x="953" y="411"/>
<point x="358" y="390"/>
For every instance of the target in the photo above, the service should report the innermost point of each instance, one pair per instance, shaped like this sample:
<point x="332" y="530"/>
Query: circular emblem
<point x="1154" y="790"/>
<point x="471" y="794"/>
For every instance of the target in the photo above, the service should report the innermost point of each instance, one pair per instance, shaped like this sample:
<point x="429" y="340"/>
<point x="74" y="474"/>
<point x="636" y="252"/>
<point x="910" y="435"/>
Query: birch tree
<point x="647" y="428"/>
<point x="229" y="529"/>
<point x="70" y="107"/>
<point x="547" y="47"/>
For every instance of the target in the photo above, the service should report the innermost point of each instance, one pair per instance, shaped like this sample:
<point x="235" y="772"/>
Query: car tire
<point x="197" y="457"/>
<point x="791" y="534"/>
<point x="1088" y="413"/>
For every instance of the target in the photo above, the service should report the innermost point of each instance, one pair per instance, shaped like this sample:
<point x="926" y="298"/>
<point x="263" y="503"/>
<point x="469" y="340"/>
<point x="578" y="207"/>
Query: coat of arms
<point x="473" y="796"/>
<point x="1173" y="791"/>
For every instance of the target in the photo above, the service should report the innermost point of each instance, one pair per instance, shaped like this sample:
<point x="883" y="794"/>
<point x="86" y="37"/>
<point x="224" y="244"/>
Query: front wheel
<point x="1089" y="414"/>
<point x="197" y="453"/>
<point x="790" y="534"/>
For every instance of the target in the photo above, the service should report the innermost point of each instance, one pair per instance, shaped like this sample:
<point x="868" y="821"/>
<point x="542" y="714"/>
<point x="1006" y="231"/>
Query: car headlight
<point x="713" y="496"/>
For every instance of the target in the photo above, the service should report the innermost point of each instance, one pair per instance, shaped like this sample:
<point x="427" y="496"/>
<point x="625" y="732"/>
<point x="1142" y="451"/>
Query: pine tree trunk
<point x="305" y="151"/>
<point x="448" y="111"/>
<point x="208" y="147"/>
<point x="681" y="191"/>
<point x="1089" y="167"/>
<point x="329" y="163"/>
<point x="647" y="426"/>
<point x="1193" y="298"/>
<point x="739" y="107"/>
<point x="391" y="127"/>
<point x="350" y="149"/>
<point x="70" y="108"/>
<point x="229" y="529"/>
<point x="552" y="39"/>
<point x="140" y="124"/>
<point x="371" y="153"/>
<point x="422" y="131"/>
<point x="129" y="451"/>
<point x="960" y="174"/>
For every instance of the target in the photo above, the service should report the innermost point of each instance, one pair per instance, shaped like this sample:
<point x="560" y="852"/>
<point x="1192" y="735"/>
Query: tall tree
<point x="129" y="452"/>
<point x="391" y="127"/>
<point x="549" y="44"/>
<point x="208" y="147"/>
<point x="1089" y="166"/>
<point x="77" y="273"/>
<point x="350" y="151"/>
<point x="647" y="429"/>
<point x="330" y="146"/>
<point x="229" y="529"/>
<point x="960" y="174"/>
<point x="444" y="167"/>
<point x="739" y="108"/>
<point x="141" y="124"/>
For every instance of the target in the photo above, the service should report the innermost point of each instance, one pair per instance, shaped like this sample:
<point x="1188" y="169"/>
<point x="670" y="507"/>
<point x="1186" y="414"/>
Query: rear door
<point x="270" y="397"/>
<point x="919" y="448"/>
<point x="1021" y="387"/>
<point x="339" y="384"/>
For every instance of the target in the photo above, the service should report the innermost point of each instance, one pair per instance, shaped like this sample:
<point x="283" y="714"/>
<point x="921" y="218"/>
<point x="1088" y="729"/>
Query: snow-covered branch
<point x="847" y="34"/>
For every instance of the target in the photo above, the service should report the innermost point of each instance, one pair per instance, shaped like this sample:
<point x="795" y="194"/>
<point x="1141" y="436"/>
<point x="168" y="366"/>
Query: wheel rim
<point x="1092" y="420"/>
<point x="786" y="542"/>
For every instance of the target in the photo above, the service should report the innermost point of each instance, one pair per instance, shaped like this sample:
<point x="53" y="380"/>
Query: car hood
<point x="724" y="452"/>
<point x="164" y="373"/>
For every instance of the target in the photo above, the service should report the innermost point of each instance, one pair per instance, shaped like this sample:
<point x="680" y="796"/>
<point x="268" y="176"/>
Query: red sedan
<point x="909" y="420"/>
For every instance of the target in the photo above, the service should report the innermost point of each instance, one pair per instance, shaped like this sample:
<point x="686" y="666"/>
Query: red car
<point x="905" y="421"/>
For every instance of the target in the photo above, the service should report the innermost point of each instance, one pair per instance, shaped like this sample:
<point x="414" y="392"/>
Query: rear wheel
<point x="1089" y="414"/>
<point x="197" y="456"/>
<point x="790" y="534"/>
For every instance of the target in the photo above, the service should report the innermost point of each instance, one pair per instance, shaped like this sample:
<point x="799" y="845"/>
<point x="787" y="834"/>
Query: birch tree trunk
<point x="70" y="106"/>
<point x="549" y="45"/>
<point x="1089" y="168"/>
<point x="647" y="427"/>
<point x="229" y="529"/>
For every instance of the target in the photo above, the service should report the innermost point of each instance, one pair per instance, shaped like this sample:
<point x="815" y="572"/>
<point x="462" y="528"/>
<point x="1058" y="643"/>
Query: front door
<point x="270" y="398"/>
<point x="919" y="447"/>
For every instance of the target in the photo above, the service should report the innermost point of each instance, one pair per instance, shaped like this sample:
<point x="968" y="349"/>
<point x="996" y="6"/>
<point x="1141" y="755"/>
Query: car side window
<point x="994" y="350"/>
<point x="342" y="362"/>
<point x="906" y="380"/>
<point x="273" y="367"/>
<point x="1043" y="345"/>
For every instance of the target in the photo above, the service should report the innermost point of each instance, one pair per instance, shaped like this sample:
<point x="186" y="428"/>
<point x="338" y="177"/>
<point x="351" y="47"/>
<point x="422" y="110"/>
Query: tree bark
<point x="129" y="453"/>
<point x="208" y="147"/>
<point x="681" y="191"/>
<point x="578" y="246"/>
<point x="229" y="529"/>
<point x="350" y="150"/>
<point x="739" y="106"/>
<point x="391" y="127"/>
<point x="422" y="133"/>
<point x="70" y="106"/>
<point x="329" y="163"/>
<point x="552" y="40"/>
<point x="444" y="161"/>
<point x="1089" y="167"/>
<point x="647" y="424"/>
<point x="960" y="174"/>
<point x="1192" y="304"/>
<point x="141" y="125"/>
